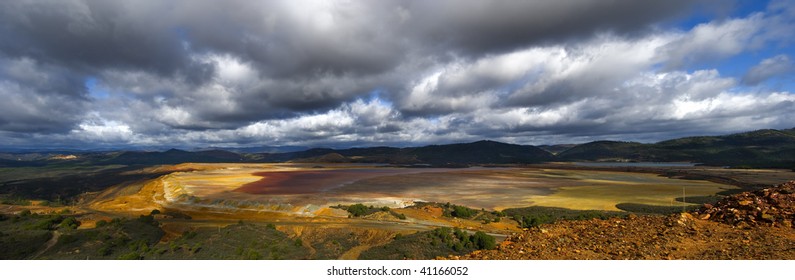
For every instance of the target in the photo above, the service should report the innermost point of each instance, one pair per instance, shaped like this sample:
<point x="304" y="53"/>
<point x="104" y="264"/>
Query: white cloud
<point x="103" y="131"/>
<point x="303" y="73"/>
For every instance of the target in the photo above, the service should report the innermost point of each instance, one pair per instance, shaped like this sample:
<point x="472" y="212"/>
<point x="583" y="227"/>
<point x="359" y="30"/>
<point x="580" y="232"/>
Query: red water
<point x="311" y="181"/>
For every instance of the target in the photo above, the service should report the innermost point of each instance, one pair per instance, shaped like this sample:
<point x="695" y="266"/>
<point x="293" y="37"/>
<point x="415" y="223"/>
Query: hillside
<point x="751" y="225"/>
<point x="174" y="156"/>
<point x="767" y="148"/>
<point x="481" y="152"/>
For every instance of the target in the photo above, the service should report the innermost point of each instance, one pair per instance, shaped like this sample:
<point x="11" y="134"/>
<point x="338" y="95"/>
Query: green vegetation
<point x="655" y="209"/>
<point x="125" y="239"/>
<point x="463" y="212"/>
<point x="24" y="234"/>
<point x="69" y="223"/>
<point x="361" y="210"/>
<point x="62" y="183"/>
<point x="535" y="216"/>
<point x="15" y="201"/>
<point x="242" y="241"/>
<point x="430" y="244"/>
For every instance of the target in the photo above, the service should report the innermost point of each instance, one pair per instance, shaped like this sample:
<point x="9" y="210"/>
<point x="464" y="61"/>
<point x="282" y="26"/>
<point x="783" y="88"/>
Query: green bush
<point x="67" y="238"/>
<point x="69" y="223"/>
<point x="105" y="250"/>
<point x="462" y="212"/>
<point x="131" y="256"/>
<point x="483" y="241"/>
<point x="189" y="234"/>
<point x="357" y="210"/>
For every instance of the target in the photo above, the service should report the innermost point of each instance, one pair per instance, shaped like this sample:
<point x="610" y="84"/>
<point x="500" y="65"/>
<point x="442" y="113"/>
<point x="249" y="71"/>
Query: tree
<point x="357" y="210"/>
<point x="483" y="241"/>
<point x="461" y="212"/>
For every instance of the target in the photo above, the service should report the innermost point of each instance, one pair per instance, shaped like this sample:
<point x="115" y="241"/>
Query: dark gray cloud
<point x="769" y="68"/>
<point x="193" y="73"/>
<point x="92" y="34"/>
<point x="477" y="27"/>
<point x="38" y="97"/>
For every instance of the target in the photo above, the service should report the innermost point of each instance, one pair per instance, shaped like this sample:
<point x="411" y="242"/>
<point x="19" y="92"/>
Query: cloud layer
<point x="360" y="73"/>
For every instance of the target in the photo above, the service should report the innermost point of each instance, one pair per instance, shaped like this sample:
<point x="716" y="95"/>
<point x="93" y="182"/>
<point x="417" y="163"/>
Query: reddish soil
<point x="310" y="181"/>
<point x="644" y="238"/>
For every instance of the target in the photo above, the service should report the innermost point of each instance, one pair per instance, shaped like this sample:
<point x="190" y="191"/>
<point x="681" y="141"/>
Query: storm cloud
<point x="341" y="73"/>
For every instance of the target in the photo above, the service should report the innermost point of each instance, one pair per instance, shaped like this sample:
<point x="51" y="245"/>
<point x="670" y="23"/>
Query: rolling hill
<point x="760" y="148"/>
<point x="767" y="148"/>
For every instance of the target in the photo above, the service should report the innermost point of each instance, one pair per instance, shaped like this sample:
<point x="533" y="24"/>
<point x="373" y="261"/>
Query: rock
<point x="685" y="219"/>
<point x="768" y="218"/>
<point x="704" y="216"/>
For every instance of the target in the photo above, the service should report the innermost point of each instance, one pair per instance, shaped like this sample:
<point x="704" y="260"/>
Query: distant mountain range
<point x="760" y="148"/>
<point x="768" y="148"/>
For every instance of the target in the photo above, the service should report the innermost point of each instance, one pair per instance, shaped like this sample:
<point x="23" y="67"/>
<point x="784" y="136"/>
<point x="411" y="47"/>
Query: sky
<point x="188" y="74"/>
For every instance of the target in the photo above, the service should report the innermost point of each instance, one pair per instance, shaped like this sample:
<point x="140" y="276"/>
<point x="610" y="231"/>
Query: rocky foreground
<point x="751" y="225"/>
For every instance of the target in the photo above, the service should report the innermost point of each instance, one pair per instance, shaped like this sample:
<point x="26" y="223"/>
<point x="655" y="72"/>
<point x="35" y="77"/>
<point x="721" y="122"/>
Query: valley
<point x="307" y="202"/>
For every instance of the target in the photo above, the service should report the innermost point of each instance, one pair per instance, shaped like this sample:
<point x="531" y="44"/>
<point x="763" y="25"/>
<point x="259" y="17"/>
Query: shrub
<point x="69" y="223"/>
<point x="105" y="250"/>
<point x="357" y="210"/>
<point x="482" y="241"/>
<point x="67" y="238"/>
<point x="461" y="212"/>
<point x="131" y="256"/>
<point x="189" y="234"/>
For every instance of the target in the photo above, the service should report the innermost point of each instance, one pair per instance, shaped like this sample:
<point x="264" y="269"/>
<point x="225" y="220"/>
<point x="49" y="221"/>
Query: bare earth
<point x="652" y="238"/>
<point x="303" y="190"/>
<point x="749" y="225"/>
